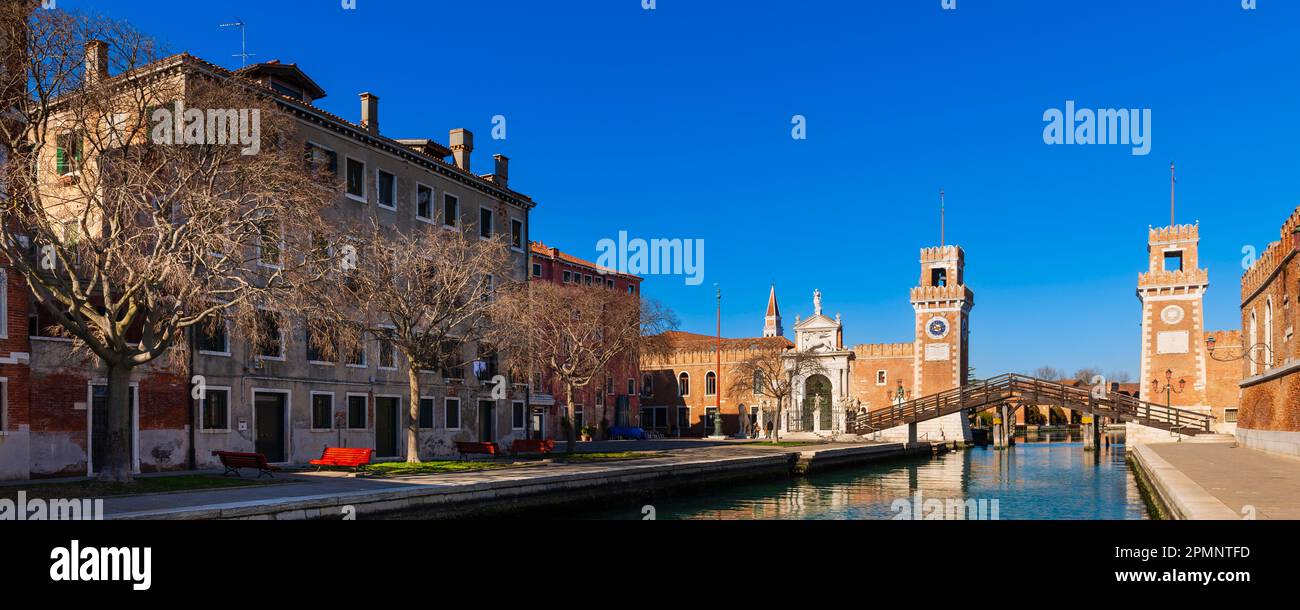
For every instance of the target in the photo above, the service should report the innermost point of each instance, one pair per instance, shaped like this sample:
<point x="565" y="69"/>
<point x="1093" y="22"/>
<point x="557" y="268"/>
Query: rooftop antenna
<point x="243" y="54"/>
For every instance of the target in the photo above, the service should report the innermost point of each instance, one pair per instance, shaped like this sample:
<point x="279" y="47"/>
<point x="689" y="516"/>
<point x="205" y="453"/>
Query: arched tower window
<point x="1253" y="356"/>
<point x="1268" y="334"/>
<point x="710" y="384"/>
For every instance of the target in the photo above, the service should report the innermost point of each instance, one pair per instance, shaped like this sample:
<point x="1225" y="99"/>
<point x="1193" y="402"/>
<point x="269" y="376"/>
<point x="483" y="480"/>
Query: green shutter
<point x="62" y="160"/>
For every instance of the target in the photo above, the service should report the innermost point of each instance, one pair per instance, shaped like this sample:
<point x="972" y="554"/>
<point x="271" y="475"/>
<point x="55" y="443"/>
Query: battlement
<point x="884" y="350"/>
<point x="1186" y="277"/>
<point x="943" y="254"/>
<point x="1174" y="234"/>
<point x="1272" y="258"/>
<point x="953" y="292"/>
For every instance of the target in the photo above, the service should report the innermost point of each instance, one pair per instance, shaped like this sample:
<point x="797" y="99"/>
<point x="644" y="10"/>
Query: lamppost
<point x="1169" y="387"/>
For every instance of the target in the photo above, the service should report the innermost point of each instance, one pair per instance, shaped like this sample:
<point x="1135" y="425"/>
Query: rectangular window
<point x="537" y="270"/>
<point x="68" y="153"/>
<point x="631" y="289"/>
<point x="567" y="276"/>
<point x="1174" y="260"/>
<point x="270" y="339"/>
<point x="485" y="223"/>
<point x="609" y="385"/>
<point x="517" y="415"/>
<point x="683" y="418"/>
<point x="631" y="387"/>
<point x="212" y="338"/>
<point x="609" y="284"/>
<point x="882" y="378"/>
<point x="586" y="279"/>
<point x="517" y="233"/>
<point x="423" y="202"/>
<point x="578" y="419"/>
<point x="387" y="355"/>
<point x="357" y="407"/>
<point x="1230" y="416"/>
<point x="316" y="345"/>
<point x="270" y="244"/>
<point x="322" y="160"/>
<point x="451" y="414"/>
<point x="322" y="411"/>
<point x="356" y="356"/>
<point x="386" y="183"/>
<point x="426" y="413"/>
<point x="216" y="410"/>
<point x="356" y="179"/>
<point x="450" y="210"/>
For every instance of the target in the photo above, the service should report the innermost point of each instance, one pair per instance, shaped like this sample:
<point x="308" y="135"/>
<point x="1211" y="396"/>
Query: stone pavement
<point x="1239" y="477"/>
<point x="309" y="485"/>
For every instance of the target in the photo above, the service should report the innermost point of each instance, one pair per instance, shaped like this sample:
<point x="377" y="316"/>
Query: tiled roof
<point x="540" y="249"/>
<point x="179" y="59"/>
<point x="685" y="340"/>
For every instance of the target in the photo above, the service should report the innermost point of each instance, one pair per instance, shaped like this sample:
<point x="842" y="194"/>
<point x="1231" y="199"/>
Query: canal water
<point x="1044" y="476"/>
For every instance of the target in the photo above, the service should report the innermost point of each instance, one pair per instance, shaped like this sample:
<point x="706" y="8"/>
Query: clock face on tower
<point x="936" y="328"/>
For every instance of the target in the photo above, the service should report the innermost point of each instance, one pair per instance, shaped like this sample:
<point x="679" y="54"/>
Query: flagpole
<point x="717" y="375"/>
<point x="1173" y="181"/>
<point x="943" y="238"/>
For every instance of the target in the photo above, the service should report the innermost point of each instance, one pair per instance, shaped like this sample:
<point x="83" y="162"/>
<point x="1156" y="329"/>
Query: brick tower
<point x="1172" y="292"/>
<point x="941" y="359"/>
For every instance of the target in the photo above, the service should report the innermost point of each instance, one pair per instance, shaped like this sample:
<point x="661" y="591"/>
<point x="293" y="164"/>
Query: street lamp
<point x="1265" y="351"/>
<point x="1169" y="387"/>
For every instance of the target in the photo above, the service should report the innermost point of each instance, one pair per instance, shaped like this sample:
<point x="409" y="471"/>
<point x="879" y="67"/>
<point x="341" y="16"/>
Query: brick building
<point x="871" y="376"/>
<point x="616" y="397"/>
<point x="285" y="404"/>
<point x="1270" y="402"/>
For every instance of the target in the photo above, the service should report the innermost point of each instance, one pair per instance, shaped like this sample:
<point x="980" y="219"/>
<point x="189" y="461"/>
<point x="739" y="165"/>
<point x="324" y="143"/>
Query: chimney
<point x="370" y="112"/>
<point x="96" y="61"/>
<point x="462" y="144"/>
<point x="502" y="174"/>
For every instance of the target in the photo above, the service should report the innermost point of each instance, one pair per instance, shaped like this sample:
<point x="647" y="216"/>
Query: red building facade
<point x="616" y="398"/>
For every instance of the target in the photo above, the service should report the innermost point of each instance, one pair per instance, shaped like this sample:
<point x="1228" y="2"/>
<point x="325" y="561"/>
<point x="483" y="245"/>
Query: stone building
<point x="615" y="397"/>
<point x="1270" y="363"/>
<point x="870" y="376"/>
<point x="1177" y="367"/>
<point x="282" y="401"/>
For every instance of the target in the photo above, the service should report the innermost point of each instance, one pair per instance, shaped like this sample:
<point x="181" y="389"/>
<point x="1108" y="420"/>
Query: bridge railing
<point x="988" y="392"/>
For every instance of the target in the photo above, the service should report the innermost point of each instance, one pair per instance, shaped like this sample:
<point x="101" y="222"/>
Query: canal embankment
<point x="488" y="492"/>
<point x="1174" y="494"/>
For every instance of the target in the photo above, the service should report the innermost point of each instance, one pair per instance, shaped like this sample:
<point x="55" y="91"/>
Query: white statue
<point x="817" y="302"/>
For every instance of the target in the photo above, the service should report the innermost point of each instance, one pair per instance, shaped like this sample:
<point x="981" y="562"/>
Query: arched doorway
<point x="816" y="393"/>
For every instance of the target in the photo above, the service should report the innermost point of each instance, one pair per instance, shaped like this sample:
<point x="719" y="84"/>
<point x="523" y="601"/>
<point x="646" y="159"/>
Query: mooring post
<point x="911" y="433"/>
<point x="999" y="429"/>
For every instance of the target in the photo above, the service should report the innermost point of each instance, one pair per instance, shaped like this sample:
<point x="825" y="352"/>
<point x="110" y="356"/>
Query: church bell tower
<point x="772" y="321"/>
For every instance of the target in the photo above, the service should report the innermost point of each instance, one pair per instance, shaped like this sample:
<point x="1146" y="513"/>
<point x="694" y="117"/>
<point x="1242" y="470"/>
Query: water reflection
<point x="1045" y="476"/>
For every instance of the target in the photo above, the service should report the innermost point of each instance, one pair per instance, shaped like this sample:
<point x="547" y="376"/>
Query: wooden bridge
<point x="1018" y="390"/>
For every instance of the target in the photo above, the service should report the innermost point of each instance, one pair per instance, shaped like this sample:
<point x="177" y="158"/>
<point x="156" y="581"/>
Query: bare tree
<point x="426" y="293"/>
<point x="125" y="238"/>
<point x="571" y="333"/>
<point x="1121" y="377"/>
<point x="1047" y="373"/>
<point x="772" y="373"/>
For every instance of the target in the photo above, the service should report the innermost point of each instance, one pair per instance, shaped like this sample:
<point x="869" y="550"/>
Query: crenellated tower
<point x="941" y="359"/>
<point x="1172" y="293"/>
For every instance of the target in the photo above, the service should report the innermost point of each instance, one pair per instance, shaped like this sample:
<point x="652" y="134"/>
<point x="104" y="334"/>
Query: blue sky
<point x="676" y="123"/>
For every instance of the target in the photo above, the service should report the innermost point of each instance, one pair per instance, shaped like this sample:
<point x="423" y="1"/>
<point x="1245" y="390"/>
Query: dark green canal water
<point x="1046" y="476"/>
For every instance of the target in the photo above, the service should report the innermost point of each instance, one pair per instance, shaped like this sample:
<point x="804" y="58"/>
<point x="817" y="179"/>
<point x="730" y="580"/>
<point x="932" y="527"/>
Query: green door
<point x="486" y="419"/>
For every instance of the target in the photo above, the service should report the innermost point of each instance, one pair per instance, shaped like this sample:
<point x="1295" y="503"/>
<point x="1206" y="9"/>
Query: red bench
<point x="234" y="460"/>
<point x="532" y="446"/>
<point x="467" y="448"/>
<point x="344" y="457"/>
